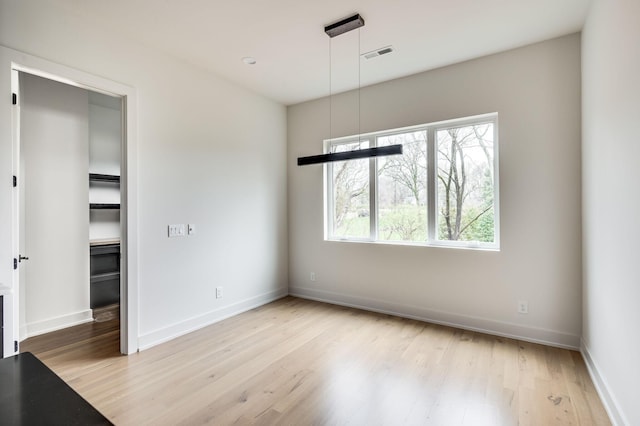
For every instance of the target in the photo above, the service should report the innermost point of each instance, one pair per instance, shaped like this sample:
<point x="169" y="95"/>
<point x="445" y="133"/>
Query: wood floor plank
<point x="301" y="362"/>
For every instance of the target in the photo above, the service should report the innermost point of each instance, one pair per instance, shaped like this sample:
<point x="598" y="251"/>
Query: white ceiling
<point x="292" y="51"/>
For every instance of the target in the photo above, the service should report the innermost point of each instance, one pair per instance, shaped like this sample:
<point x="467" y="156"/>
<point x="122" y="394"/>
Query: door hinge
<point x="15" y="181"/>
<point x="14" y="98"/>
<point x="15" y="263"/>
<point x="15" y="346"/>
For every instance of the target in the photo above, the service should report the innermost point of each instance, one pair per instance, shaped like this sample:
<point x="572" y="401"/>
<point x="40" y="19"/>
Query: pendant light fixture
<point x="333" y="30"/>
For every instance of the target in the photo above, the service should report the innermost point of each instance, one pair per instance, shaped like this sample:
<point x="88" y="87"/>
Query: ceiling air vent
<point x="378" y="52"/>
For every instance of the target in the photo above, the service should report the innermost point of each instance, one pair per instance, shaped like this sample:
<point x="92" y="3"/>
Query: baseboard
<point x="165" y="334"/>
<point x="604" y="391"/>
<point x="56" y="323"/>
<point x="466" y="322"/>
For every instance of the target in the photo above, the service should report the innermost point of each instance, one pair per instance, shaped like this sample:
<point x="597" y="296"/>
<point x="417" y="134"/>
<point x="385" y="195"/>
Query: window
<point x="351" y="194"/>
<point x="441" y="191"/>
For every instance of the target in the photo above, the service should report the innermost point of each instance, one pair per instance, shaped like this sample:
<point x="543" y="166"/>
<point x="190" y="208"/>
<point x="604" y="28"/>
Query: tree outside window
<point x="465" y="183"/>
<point x="441" y="190"/>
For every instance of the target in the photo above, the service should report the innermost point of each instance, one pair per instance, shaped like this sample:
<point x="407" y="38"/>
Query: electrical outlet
<point x="218" y="292"/>
<point x="523" y="307"/>
<point x="312" y="276"/>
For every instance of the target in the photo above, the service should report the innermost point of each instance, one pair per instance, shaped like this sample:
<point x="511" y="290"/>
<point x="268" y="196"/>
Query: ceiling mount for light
<point x="344" y="26"/>
<point x="341" y="27"/>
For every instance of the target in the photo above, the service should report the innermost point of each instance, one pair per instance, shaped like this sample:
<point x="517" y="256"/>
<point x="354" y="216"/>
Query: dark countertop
<point x="32" y="394"/>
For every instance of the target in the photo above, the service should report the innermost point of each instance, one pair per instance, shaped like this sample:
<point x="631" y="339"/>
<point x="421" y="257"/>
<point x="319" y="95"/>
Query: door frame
<point x="10" y="62"/>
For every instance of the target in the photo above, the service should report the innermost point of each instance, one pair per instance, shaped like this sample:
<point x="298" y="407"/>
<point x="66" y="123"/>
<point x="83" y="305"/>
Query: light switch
<point x="177" y="230"/>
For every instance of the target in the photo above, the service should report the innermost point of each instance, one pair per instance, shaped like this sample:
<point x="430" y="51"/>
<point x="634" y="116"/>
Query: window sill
<point x="419" y="244"/>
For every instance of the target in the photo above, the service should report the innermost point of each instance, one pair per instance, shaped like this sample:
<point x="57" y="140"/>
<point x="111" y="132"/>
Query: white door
<point x="54" y="205"/>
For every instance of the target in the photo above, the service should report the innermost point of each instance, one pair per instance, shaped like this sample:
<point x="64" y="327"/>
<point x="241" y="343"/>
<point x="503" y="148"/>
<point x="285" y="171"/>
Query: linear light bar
<point x="344" y="26"/>
<point x="350" y="155"/>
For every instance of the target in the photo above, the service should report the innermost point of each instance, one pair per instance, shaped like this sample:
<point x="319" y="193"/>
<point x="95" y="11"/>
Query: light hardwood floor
<point x="298" y="362"/>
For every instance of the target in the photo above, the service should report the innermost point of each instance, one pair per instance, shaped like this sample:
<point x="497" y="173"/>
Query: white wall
<point x="209" y="152"/>
<point x="611" y="203"/>
<point x="54" y="287"/>
<point x="105" y="139"/>
<point x="536" y="91"/>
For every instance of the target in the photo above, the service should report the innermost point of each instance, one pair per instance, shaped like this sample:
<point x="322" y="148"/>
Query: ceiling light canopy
<point x="345" y="25"/>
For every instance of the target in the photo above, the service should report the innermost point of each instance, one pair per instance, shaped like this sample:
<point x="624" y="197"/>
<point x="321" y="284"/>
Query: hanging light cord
<point x="330" y="99"/>
<point x="359" y="114"/>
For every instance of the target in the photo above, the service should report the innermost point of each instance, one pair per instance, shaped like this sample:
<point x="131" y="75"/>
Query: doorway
<point x="11" y="64"/>
<point x="70" y="140"/>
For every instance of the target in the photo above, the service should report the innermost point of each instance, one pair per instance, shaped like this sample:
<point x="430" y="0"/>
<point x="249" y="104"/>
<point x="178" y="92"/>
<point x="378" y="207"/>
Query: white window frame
<point x="432" y="190"/>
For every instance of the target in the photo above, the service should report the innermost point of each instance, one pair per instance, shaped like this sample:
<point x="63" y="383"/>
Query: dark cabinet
<point x="105" y="275"/>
